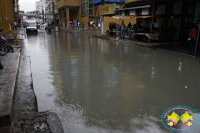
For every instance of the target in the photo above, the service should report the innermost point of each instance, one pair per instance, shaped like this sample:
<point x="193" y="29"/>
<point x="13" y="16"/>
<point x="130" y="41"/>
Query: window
<point x="87" y="7"/>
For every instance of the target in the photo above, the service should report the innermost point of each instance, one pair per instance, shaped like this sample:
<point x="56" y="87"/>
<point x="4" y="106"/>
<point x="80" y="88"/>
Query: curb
<point x="6" y="104"/>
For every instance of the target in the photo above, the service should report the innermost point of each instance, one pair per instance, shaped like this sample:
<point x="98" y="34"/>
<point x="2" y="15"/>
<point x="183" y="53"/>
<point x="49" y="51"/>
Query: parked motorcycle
<point x="5" y="47"/>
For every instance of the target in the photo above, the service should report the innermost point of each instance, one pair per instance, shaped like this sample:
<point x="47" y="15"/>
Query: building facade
<point x="50" y="10"/>
<point x="161" y="16"/>
<point x="7" y="15"/>
<point x="40" y="5"/>
<point x="87" y="10"/>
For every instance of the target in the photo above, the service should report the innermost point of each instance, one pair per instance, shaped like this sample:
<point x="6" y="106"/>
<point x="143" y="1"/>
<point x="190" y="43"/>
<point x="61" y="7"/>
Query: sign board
<point x="107" y="9"/>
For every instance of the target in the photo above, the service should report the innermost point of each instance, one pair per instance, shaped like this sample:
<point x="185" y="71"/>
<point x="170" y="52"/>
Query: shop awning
<point x="130" y="16"/>
<point x="132" y="8"/>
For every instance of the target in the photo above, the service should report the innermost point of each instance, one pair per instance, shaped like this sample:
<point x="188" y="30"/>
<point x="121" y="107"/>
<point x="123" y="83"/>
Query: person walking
<point x="99" y="26"/>
<point x="122" y="29"/>
<point x="82" y="26"/>
<point x="78" y="24"/>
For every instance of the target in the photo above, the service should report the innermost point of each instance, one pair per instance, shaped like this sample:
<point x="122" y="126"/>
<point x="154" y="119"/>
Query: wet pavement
<point x="7" y="85"/>
<point x="98" y="85"/>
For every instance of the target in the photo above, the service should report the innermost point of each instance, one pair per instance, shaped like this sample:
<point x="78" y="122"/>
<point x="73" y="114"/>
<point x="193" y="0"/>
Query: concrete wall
<point x="6" y="15"/>
<point x="75" y="15"/>
<point x="72" y="2"/>
<point x="85" y="20"/>
<point x="127" y="1"/>
<point x="60" y="4"/>
<point x="63" y="3"/>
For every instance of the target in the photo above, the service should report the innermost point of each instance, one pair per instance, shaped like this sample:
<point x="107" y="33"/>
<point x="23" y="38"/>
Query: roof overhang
<point x="137" y="7"/>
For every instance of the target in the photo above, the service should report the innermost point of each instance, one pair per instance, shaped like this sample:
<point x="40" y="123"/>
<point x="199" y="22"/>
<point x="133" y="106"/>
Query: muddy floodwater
<point x="102" y="86"/>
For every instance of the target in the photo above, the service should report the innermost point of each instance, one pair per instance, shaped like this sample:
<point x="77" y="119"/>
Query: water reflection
<point x="98" y="85"/>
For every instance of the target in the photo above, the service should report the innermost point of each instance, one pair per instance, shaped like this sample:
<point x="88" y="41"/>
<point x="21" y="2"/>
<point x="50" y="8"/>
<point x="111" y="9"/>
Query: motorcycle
<point x="5" y="47"/>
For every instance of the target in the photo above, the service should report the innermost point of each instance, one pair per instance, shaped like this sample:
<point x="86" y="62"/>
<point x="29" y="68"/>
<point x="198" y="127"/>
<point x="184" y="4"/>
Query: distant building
<point x="49" y="12"/>
<point x="32" y="14"/>
<point x="40" y="5"/>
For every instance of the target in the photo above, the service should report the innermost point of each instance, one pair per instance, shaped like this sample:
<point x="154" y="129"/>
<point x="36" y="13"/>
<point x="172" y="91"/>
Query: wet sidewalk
<point x="7" y="85"/>
<point x="18" y="103"/>
<point x="145" y="44"/>
<point x="21" y="34"/>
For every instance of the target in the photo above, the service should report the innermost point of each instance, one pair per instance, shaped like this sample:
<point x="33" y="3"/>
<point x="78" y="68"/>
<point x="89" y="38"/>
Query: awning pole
<point x="152" y="19"/>
<point x="102" y="31"/>
<point x="197" y="40"/>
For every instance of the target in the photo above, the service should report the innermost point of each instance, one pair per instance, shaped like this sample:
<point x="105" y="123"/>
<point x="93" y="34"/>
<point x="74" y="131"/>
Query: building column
<point x="63" y="18"/>
<point x="67" y="16"/>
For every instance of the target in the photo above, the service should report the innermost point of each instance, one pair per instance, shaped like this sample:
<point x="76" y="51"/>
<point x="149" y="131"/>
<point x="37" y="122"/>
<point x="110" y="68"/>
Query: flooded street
<point x="101" y="86"/>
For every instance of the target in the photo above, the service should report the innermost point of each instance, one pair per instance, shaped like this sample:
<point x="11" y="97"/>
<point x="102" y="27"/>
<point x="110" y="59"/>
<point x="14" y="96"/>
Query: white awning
<point x="137" y="7"/>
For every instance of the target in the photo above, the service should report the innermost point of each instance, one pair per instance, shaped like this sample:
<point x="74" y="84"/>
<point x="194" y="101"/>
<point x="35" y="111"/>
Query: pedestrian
<point x="11" y="24"/>
<point x="15" y="24"/>
<point x="70" y="23"/>
<point x="193" y="33"/>
<point x="78" y="24"/>
<point x="88" y="24"/>
<point x="94" y="25"/>
<point x="1" y="66"/>
<point x="173" y="33"/>
<point x="99" y="26"/>
<point x="82" y="26"/>
<point x="122" y="29"/>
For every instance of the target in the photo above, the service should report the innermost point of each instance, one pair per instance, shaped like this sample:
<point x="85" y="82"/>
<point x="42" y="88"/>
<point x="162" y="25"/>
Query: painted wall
<point x="6" y="15"/>
<point x="60" y="3"/>
<point x="75" y="15"/>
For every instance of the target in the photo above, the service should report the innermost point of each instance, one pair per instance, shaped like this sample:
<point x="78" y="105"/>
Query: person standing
<point x="1" y="66"/>
<point x="99" y="26"/>
<point x="78" y="24"/>
<point x="70" y="25"/>
<point x="122" y="29"/>
<point x="191" y="38"/>
<point x="193" y="33"/>
<point x="15" y="24"/>
<point x="94" y="25"/>
<point x="173" y="33"/>
<point x="82" y="26"/>
<point x="88" y="24"/>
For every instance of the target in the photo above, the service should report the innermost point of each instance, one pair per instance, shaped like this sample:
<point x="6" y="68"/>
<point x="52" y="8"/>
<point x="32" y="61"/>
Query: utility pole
<point x="53" y="13"/>
<point x="43" y="14"/>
